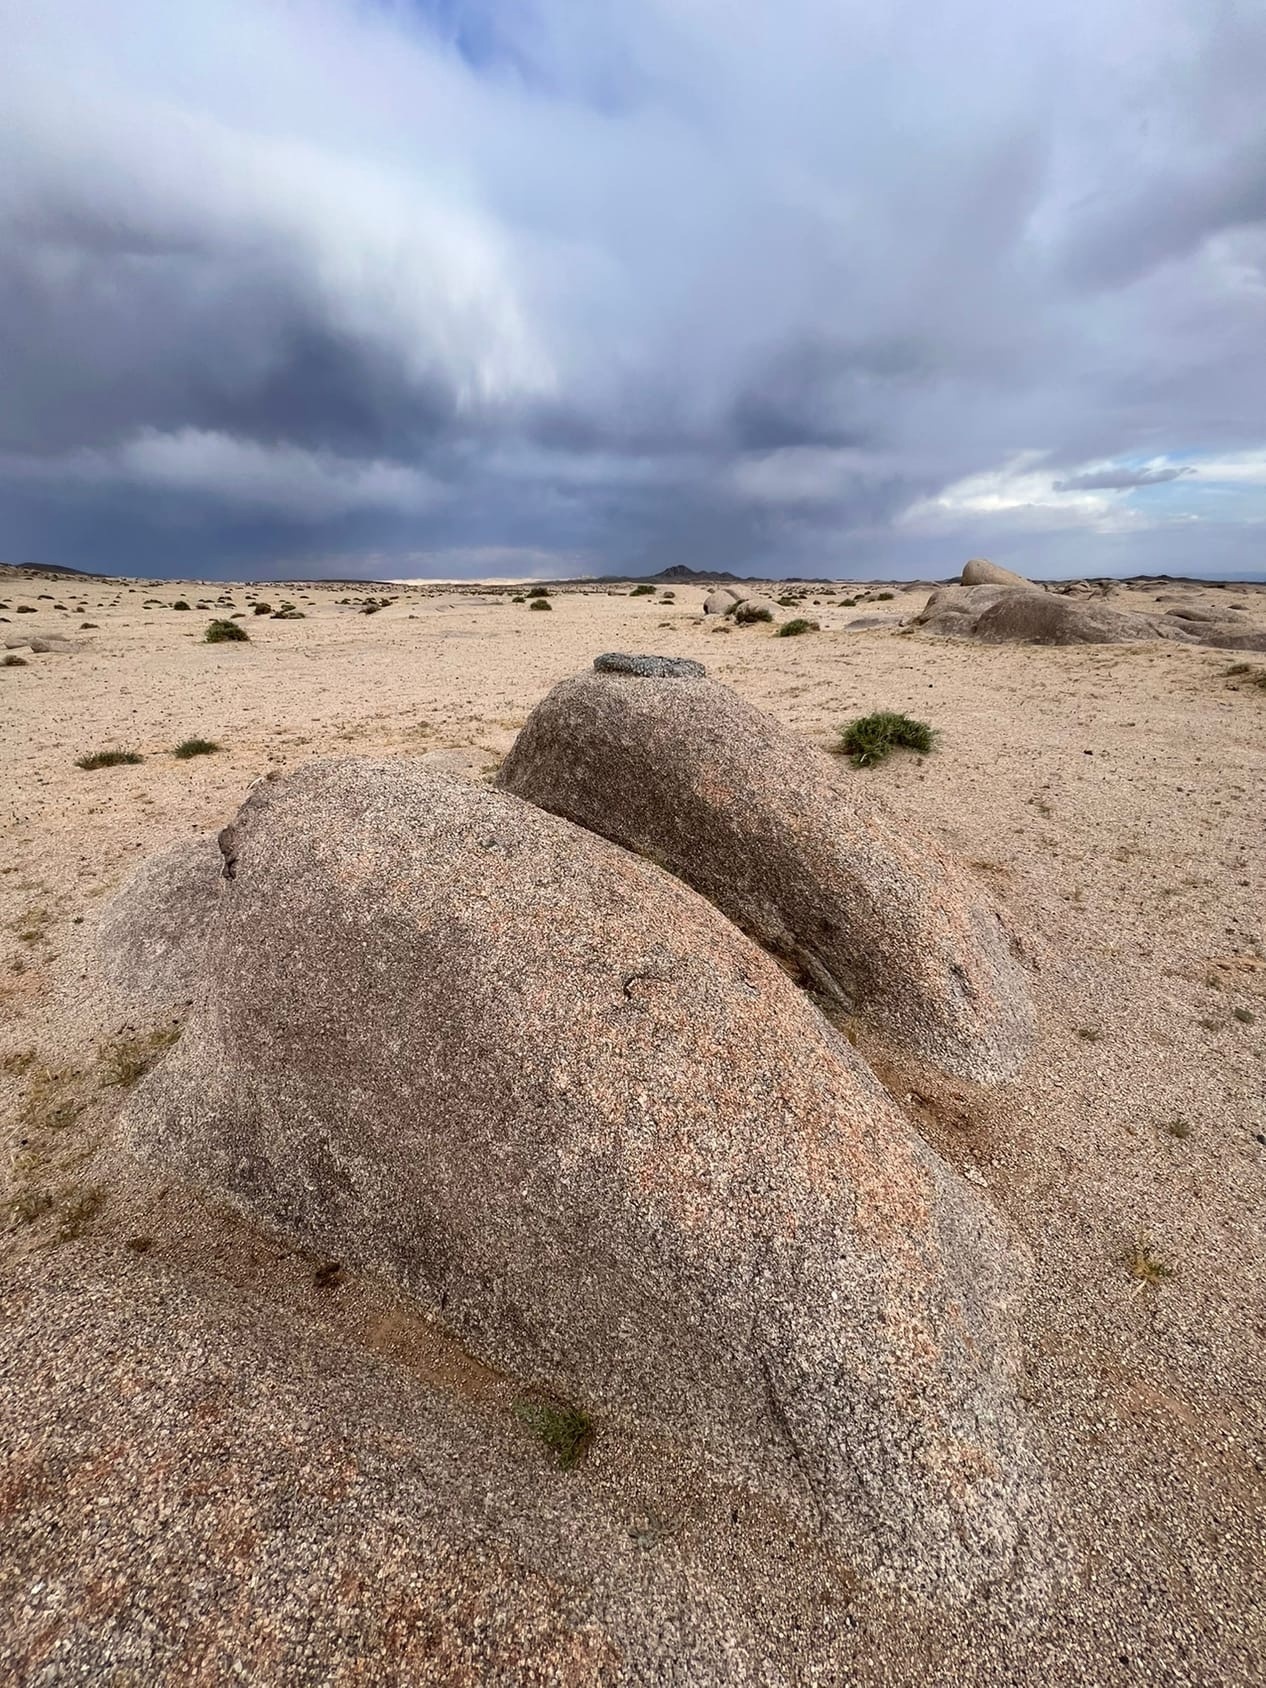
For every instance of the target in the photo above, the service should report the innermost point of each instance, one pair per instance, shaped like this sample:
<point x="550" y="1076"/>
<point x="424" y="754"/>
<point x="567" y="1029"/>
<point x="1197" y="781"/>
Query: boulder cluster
<point x="996" y="606"/>
<point x="563" y="1060"/>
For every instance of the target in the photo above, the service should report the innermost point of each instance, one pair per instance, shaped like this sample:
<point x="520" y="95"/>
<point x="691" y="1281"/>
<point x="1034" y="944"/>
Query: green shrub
<point x="518" y="598"/>
<point x="262" y="608"/>
<point x="540" y="604"/>
<point x="107" y="759"/>
<point x="565" y="1431"/>
<point x="747" y="614"/>
<point x="194" y="747"/>
<point x="180" y="604"/>
<point x="224" y="632"/>
<point x="883" y="597"/>
<point x="870" y="739"/>
<point x="800" y="624"/>
<point x="290" y="615"/>
<point x="12" y="661"/>
<point x="645" y="590"/>
<point x="539" y="592"/>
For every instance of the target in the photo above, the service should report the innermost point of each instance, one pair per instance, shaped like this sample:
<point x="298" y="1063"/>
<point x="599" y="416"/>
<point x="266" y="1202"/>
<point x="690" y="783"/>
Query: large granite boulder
<point x="197" y="1490"/>
<point x="979" y="571"/>
<point x="1042" y="618"/>
<point x="871" y="913"/>
<point x="954" y="610"/>
<point x="547" y="1088"/>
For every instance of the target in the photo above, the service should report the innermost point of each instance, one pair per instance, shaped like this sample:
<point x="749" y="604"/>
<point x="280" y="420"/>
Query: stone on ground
<point x="795" y="850"/>
<point x="979" y="571"/>
<point x="547" y="1088"/>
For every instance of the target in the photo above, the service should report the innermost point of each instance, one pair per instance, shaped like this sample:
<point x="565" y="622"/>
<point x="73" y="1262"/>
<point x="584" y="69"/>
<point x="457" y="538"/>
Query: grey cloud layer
<point x="627" y="284"/>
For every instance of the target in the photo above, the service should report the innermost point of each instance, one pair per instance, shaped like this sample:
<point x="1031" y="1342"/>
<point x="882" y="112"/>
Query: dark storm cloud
<point x="821" y="288"/>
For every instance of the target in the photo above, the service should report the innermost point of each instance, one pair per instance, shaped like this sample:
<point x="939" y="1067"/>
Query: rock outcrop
<point x="979" y="571"/>
<point x="546" y="1087"/>
<point x="875" y="917"/>
<point x="1022" y="614"/>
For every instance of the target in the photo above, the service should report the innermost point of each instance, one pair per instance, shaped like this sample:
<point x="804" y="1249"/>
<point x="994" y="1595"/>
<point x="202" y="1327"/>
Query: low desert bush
<point x="645" y="590"/>
<point x="12" y="661"/>
<point x="748" y="614"/>
<point x="799" y="624"/>
<point x="870" y="739"/>
<point x="224" y="632"/>
<point x="107" y="759"/>
<point x="565" y="1431"/>
<point x="194" y="747"/>
<point x="540" y="604"/>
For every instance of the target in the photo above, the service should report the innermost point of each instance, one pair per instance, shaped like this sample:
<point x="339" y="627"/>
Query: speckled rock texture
<point x="795" y="850"/>
<point x="152" y="933"/>
<point x="979" y="571"/>
<point x="649" y="667"/>
<point x="547" y="1088"/>
<point x="1042" y="618"/>
<point x="195" y="1493"/>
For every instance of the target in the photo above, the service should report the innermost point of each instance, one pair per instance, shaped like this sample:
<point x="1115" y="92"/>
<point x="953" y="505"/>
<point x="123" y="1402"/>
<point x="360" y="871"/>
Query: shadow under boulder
<point x="547" y="1088"/>
<point x="875" y="917"/>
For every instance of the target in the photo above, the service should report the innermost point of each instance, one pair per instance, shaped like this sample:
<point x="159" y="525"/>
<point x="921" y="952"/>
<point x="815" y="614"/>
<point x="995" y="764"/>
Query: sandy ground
<point x="1111" y="796"/>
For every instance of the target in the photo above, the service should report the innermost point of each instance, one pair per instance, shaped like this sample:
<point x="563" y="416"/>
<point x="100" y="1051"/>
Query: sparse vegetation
<point x="645" y="590"/>
<point x="797" y="625"/>
<point x="1179" y="1128"/>
<point x="518" y="598"/>
<point x="872" y="738"/>
<point x="747" y="615"/>
<point x="566" y="1431"/>
<point x="12" y="661"/>
<point x="1145" y="1266"/>
<point x="1245" y="1016"/>
<point x="194" y="747"/>
<point x="1089" y="1034"/>
<point x="540" y="604"/>
<point x="180" y="604"/>
<point x="108" y="759"/>
<point x="125" y="1059"/>
<point x="262" y="608"/>
<point x="884" y="597"/>
<point x="539" y="592"/>
<point x="221" y="632"/>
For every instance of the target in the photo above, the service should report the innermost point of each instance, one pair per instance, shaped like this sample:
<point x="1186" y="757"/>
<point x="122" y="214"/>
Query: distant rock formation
<point x="979" y="571"/>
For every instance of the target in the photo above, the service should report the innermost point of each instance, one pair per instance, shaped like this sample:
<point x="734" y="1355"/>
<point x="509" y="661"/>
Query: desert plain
<point x="1110" y="798"/>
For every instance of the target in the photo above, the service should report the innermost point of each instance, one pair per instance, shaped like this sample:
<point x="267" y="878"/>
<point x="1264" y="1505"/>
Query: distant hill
<point x="39" y="571"/>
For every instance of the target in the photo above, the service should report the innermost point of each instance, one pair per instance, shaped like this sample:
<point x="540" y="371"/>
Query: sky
<point x="549" y="287"/>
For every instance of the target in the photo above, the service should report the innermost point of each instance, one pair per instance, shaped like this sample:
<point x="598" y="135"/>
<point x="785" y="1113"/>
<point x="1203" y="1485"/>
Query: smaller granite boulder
<point x="981" y="572"/>
<point x="649" y="667"/>
<point x="152" y="935"/>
